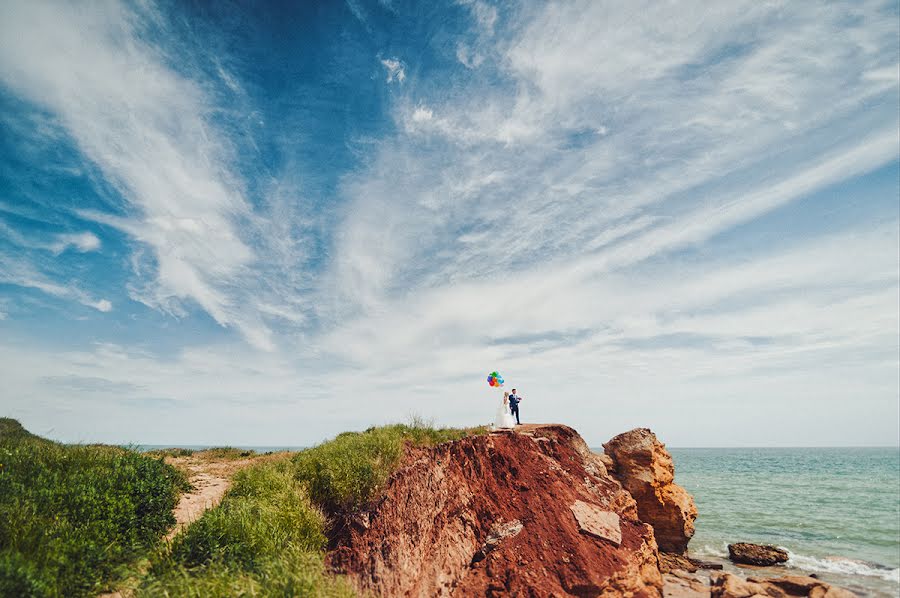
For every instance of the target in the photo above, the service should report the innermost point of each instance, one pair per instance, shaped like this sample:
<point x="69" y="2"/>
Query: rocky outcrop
<point x="525" y="513"/>
<point x="756" y="554"/>
<point x="727" y="585"/>
<point x="644" y="467"/>
<point x="681" y="584"/>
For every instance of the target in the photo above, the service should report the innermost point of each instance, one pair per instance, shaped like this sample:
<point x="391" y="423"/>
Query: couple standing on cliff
<point x="508" y="408"/>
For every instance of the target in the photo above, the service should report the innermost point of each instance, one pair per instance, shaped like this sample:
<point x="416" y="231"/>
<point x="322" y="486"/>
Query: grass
<point x="227" y="453"/>
<point x="75" y="519"/>
<point x="266" y="538"/>
<point x="169" y="452"/>
<point x="72" y="517"/>
<point x="345" y="473"/>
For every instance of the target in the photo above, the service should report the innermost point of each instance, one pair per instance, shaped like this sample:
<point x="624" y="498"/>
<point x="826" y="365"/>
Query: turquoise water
<point x="836" y="510"/>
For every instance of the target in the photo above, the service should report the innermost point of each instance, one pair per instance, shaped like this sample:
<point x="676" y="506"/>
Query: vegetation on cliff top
<point x="345" y="473"/>
<point x="72" y="516"/>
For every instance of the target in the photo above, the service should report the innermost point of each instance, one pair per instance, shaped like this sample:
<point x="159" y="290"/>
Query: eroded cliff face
<point x="644" y="467"/>
<point x="527" y="513"/>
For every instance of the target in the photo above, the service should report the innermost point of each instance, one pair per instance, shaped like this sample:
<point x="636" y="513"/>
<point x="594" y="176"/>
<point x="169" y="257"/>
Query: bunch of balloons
<point x="495" y="380"/>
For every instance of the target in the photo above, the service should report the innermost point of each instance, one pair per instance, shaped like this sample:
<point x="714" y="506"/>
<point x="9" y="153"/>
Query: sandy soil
<point x="210" y="479"/>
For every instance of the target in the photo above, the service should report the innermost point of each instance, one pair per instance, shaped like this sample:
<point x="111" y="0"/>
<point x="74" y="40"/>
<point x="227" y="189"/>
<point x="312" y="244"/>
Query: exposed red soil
<point x="448" y="521"/>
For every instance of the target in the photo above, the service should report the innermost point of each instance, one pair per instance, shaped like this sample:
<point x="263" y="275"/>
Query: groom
<point x="514" y="401"/>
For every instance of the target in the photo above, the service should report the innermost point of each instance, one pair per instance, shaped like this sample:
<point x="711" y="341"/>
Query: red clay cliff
<point x="526" y="513"/>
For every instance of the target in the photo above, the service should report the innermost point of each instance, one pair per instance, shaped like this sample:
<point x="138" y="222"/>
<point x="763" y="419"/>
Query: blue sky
<point x="268" y="224"/>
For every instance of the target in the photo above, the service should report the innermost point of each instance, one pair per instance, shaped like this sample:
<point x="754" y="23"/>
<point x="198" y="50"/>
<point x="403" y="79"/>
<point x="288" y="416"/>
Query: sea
<point x="835" y="510"/>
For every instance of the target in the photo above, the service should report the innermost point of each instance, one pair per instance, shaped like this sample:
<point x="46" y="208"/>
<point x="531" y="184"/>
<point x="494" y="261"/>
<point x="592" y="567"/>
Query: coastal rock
<point x="681" y="584"/>
<point x="491" y="515"/>
<point x="644" y="467"/>
<point x="799" y="585"/>
<point x="669" y="562"/>
<point x="727" y="585"/>
<point x="760" y="555"/>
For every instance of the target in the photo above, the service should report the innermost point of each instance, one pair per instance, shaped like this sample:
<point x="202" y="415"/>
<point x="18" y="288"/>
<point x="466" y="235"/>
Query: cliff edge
<point x="532" y="513"/>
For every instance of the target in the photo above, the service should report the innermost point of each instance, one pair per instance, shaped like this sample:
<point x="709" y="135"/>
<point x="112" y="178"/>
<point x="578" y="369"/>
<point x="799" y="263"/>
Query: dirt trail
<point x="210" y="480"/>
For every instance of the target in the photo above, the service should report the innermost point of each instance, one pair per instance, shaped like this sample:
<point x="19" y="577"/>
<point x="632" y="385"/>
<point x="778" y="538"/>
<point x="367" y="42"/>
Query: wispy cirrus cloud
<point x="147" y="128"/>
<point x="577" y="193"/>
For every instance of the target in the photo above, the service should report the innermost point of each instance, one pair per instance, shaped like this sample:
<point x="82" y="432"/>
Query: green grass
<point x="73" y="517"/>
<point x="265" y="538"/>
<point x="169" y="452"/>
<point x="228" y="452"/>
<point x="345" y="473"/>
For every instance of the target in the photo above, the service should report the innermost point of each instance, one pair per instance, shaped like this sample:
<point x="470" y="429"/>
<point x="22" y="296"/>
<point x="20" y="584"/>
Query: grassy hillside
<point x="267" y="537"/>
<point x="75" y="519"/>
<point x="72" y="516"/>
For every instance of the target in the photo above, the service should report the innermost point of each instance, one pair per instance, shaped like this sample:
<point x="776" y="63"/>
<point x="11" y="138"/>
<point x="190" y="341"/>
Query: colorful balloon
<point x="495" y="380"/>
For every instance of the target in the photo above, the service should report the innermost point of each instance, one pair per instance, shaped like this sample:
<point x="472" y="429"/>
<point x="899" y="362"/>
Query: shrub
<point x="344" y="473"/>
<point x="70" y="516"/>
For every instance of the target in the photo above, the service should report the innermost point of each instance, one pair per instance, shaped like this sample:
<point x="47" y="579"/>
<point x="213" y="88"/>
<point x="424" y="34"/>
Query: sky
<point x="266" y="223"/>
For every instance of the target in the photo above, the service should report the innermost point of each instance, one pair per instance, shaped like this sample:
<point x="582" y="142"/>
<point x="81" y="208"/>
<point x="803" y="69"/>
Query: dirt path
<point x="210" y="479"/>
<point x="207" y="493"/>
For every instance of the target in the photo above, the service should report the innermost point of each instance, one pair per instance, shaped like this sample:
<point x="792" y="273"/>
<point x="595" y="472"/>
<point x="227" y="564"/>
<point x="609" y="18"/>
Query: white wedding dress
<point x="504" y="418"/>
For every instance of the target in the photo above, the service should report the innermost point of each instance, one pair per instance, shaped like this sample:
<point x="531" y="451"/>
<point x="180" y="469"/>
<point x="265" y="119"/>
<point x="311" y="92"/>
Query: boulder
<point x="644" y="467"/>
<point x="727" y="585"/>
<point x="681" y="584"/>
<point x="760" y="555"/>
<point x="669" y="562"/>
<point x="800" y="585"/>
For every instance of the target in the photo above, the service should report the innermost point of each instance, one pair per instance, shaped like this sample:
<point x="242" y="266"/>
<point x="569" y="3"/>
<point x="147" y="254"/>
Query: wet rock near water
<point x="759" y="555"/>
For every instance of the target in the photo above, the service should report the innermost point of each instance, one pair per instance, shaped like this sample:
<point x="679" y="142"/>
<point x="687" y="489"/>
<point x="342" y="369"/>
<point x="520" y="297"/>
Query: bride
<point x="504" y="418"/>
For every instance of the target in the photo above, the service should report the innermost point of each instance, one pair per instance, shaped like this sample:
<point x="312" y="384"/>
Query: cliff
<point x="532" y="512"/>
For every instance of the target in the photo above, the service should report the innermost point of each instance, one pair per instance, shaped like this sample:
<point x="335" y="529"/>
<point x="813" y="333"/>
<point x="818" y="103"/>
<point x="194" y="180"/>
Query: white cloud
<point x="468" y="57"/>
<point x="82" y="242"/>
<point x="422" y="114"/>
<point x="145" y="127"/>
<point x="485" y="15"/>
<point x="16" y="271"/>
<point x="395" y="70"/>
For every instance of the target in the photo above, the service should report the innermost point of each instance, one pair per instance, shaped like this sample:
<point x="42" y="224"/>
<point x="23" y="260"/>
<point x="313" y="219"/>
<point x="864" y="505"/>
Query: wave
<point x="843" y="566"/>
<point x="830" y="564"/>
